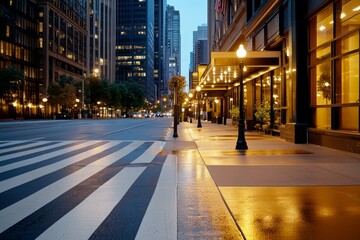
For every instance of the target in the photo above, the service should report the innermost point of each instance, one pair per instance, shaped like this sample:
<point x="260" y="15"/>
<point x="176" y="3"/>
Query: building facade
<point x="173" y="44"/>
<point x="101" y="38"/>
<point x="50" y="39"/>
<point x="200" y="34"/>
<point x="20" y="46"/>
<point x="159" y="48"/>
<point x="312" y="89"/>
<point x="135" y="44"/>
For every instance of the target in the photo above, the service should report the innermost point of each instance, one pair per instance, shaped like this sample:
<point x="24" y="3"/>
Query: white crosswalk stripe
<point x="103" y="168"/>
<point x="43" y="157"/>
<point x="21" y="179"/>
<point x="23" y="153"/>
<point x="67" y="227"/>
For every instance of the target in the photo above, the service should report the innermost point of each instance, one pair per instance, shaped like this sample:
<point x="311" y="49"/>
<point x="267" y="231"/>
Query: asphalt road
<point x="155" y="129"/>
<point x="83" y="179"/>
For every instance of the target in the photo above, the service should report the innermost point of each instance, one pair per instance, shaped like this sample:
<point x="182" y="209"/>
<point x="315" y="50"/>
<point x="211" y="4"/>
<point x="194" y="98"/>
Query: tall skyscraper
<point x="101" y="38"/>
<point x="135" y="44"/>
<point x="200" y="34"/>
<point x="173" y="43"/>
<point x="159" y="48"/>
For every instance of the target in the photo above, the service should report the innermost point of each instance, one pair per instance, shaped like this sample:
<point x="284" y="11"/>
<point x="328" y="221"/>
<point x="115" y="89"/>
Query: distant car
<point x="63" y="115"/>
<point x="159" y="114"/>
<point x="137" y="115"/>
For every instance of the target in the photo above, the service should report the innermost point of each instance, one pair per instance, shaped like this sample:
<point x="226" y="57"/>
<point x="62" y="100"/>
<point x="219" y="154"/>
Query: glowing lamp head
<point x="241" y="52"/>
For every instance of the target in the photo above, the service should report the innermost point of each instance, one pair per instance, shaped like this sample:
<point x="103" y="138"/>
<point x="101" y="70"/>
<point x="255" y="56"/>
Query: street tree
<point x="179" y="83"/>
<point x="11" y="83"/>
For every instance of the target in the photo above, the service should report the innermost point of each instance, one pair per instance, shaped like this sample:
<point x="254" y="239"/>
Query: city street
<point x="130" y="179"/>
<point x="80" y="179"/>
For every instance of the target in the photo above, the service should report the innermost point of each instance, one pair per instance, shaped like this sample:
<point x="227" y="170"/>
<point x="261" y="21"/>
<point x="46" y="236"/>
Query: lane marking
<point x="101" y="202"/>
<point x="163" y="206"/>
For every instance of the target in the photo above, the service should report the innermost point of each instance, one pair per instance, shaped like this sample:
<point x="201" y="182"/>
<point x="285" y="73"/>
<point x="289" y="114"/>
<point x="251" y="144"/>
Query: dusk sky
<point x="193" y="13"/>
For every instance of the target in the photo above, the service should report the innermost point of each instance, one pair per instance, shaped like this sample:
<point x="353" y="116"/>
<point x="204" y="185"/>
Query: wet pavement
<point x="273" y="190"/>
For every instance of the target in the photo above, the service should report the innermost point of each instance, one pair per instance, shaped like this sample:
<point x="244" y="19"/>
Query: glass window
<point x="347" y="44"/>
<point x="349" y="118"/>
<point x="350" y="79"/>
<point x="323" y="53"/>
<point x="323" y="84"/>
<point x="324" y="25"/>
<point x="348" y="16"/>
<point x="322" y="118"/>
<point x="277" y="95"/>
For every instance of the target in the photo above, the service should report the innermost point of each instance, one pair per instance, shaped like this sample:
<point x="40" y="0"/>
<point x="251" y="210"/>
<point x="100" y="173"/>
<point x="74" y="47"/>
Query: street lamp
<point x="175" y="135"/>
<point x="198" y="89"/>
<point x="241" y="142"/>
<point x="45" y="102"/>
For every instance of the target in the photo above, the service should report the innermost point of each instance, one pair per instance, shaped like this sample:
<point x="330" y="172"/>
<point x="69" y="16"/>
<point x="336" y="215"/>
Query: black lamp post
<point x="198" y="89"/>
<point x="175" y="135"/>
<point x="241" y="142"/>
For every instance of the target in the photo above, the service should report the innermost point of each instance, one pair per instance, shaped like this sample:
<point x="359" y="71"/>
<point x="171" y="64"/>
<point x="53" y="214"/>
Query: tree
<point x="180" y="83"/>
<point x="62" y="93"/>
<point x="98" y="90"/>
<point x="115" y="96"/>
<point x="11" y="82"/>
<point x="54" y="92"/>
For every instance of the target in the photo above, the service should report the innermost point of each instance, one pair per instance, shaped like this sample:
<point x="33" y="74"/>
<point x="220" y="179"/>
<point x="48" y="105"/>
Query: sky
<point x="193" y="13"/>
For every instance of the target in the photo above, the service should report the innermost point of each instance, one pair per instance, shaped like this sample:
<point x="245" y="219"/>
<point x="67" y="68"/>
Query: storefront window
<point x="323" y="53"/>
<point x="324" y="25"/>
<point x="334" y="66"/>
<point x="322" y="118"/>
<point x="349" y="118"/>
<point x="323" y="84"/>
<point x="348" y="17"/>
<point x="266" y="87"/>
<point x="347" y="44"/>
<point x="350" y="79"/>
<point x="277" y="96"/>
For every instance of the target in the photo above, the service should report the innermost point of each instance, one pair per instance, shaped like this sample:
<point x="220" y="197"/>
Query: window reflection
<point x="323" y="84"/>
<point x="350" y="79"/>
<point x="348" y="17"/>
<point x="324" y="26"/>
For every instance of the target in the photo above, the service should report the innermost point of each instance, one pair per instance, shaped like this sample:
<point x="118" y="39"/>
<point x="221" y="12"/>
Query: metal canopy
<point x="223" y="71"/>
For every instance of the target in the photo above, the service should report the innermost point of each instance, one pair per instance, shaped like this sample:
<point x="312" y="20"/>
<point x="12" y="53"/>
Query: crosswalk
<point x="87" y="190"/>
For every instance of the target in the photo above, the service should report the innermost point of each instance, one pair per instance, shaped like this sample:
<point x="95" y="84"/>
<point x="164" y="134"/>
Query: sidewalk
<point x="273" y="190"/>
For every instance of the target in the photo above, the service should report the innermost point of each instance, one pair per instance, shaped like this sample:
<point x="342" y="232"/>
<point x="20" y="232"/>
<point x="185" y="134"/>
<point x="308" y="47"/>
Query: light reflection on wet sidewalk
<point x="274" y="190"/>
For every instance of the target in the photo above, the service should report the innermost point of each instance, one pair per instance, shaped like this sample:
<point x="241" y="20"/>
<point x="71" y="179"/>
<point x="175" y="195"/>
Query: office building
<point x="159" y="48"/>
<point x="102" y="38"/>
<point x="173" y="43"/>
<point x="200" y="34"/>
<point x="135" y="44"/>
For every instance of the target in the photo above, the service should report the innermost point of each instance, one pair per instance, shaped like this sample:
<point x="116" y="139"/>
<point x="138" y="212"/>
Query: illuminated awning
<point x="223" y="71"/>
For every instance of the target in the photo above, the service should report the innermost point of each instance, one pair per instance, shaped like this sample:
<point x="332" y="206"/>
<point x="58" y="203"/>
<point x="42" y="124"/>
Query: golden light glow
<point x="241" y="52"/>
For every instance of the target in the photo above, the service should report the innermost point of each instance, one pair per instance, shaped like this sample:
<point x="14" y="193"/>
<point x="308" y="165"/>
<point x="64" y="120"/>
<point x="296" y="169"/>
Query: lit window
<point x="7" y="31"/>
<point x="140" y="57"/>
<point x="41" y="27"/>
<point x="40" y="42"/>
